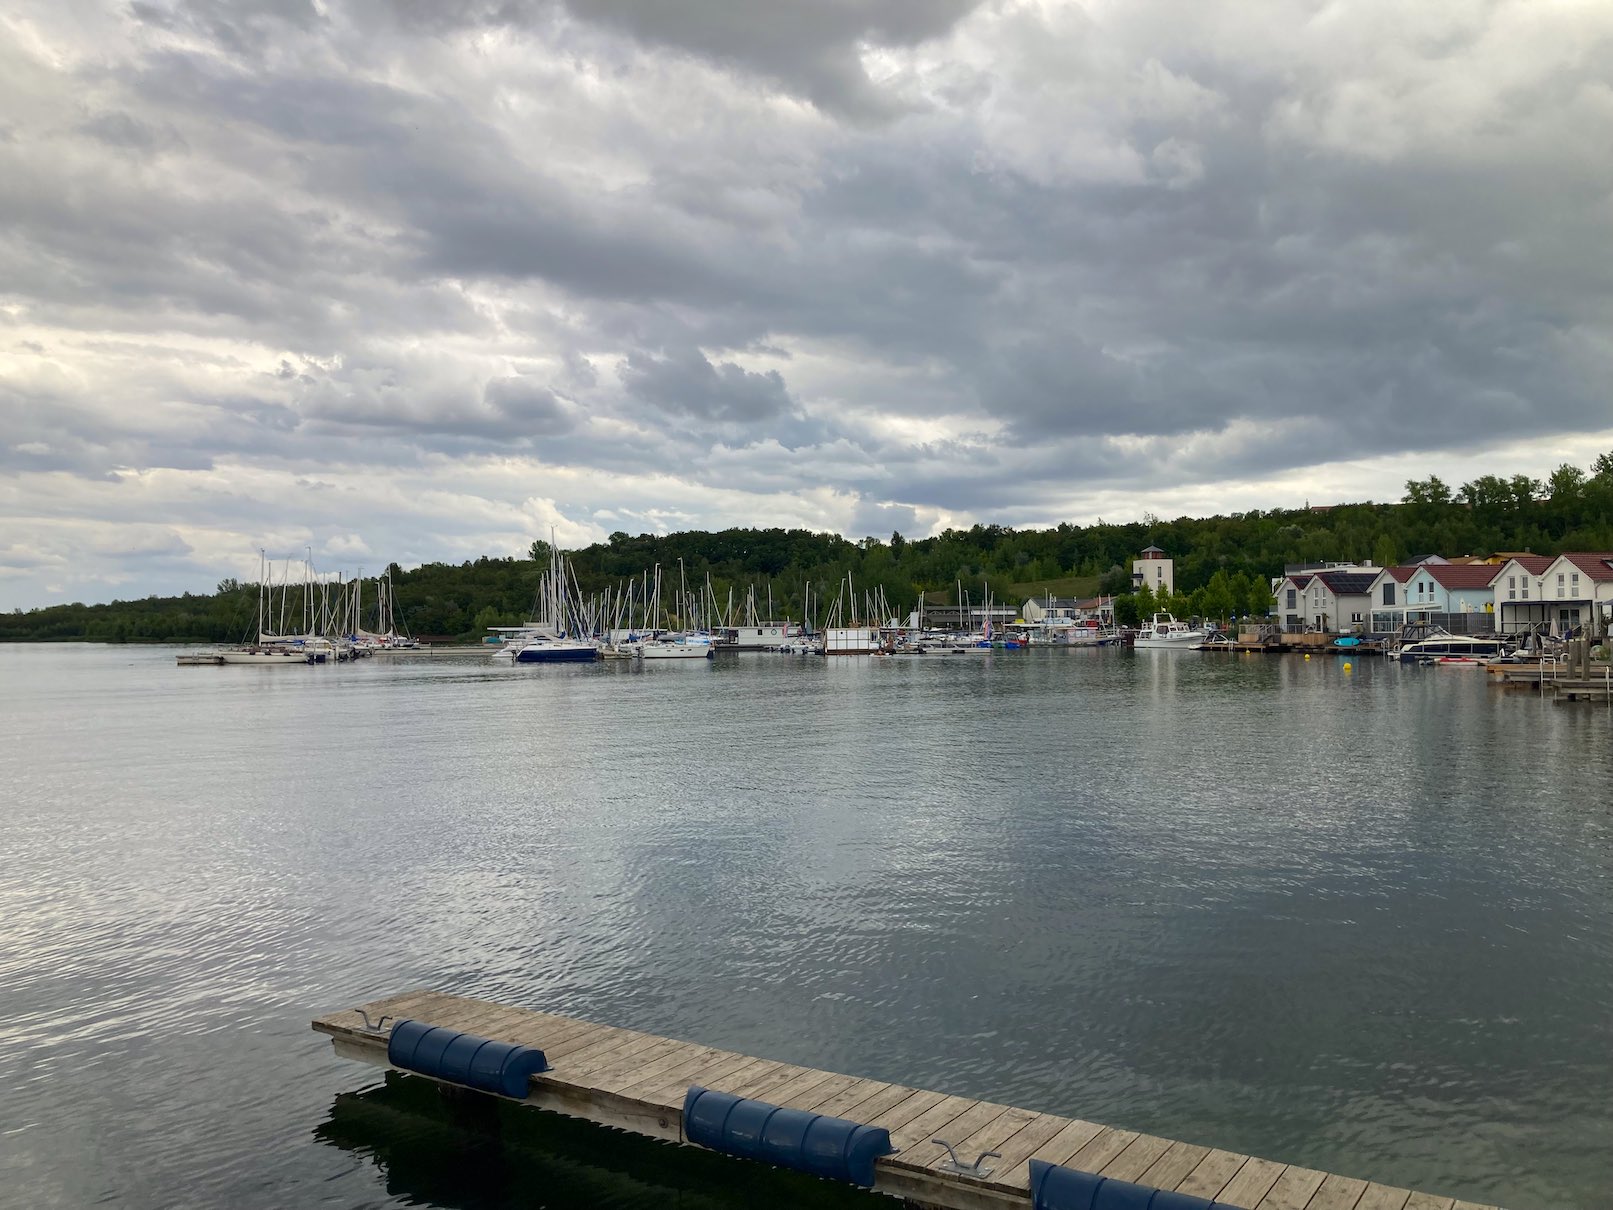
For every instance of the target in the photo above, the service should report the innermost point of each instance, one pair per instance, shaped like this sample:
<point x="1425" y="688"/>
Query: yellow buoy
<point x="1347" y="665"/>
<point x="1307" y="655"/>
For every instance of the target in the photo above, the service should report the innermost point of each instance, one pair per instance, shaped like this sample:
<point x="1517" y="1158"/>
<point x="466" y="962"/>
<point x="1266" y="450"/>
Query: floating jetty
<point x="883" y="1136"/>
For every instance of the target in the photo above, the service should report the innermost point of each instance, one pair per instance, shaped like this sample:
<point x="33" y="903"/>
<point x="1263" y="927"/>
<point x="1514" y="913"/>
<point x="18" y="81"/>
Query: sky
<point x="411" y="280"/>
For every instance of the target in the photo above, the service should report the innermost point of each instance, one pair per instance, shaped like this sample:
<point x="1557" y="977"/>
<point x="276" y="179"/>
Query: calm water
<point x="1359" y="921"/>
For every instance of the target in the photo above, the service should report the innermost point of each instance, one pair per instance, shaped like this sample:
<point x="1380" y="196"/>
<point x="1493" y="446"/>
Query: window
<point x="1355" y="617"/>
<point x="1559" y="582"/>
<point x="1293" y="594"/>
<point x="1526" y="588"/>
<point x="1512" y="581"/>
<point x="1388" y="594"/>
<point x="1575" y="581"/>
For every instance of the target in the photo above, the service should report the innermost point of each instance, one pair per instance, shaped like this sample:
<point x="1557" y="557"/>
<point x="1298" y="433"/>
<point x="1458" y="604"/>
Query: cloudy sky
<point x="419" y="279"/>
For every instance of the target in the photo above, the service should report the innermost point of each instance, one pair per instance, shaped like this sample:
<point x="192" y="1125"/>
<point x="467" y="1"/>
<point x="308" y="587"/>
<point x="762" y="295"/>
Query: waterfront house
<point x="1574" y="584"/>
<point x="1330" y="601"/>
<point x="1457" y="596"/>
<point x="1387" y="599"/>
<point x="1520" y="593"/>
<point x="1291" y="601"/>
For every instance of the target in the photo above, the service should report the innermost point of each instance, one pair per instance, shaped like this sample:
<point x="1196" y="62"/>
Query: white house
<point x="1154" y="569"/>
<point x="1520" y="593"/>
<point x="1576" y="582"/>
<point x="1387" y="596"/>
<point x="1328" y="601"/>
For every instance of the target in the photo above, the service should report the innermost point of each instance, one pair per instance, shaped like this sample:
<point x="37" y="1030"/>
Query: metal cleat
<point x="955" y="1165"/>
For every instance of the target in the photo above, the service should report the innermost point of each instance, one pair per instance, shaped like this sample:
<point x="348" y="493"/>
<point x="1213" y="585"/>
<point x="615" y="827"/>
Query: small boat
<point x="1457" y="661"/>
<point x="1166" y="632"/>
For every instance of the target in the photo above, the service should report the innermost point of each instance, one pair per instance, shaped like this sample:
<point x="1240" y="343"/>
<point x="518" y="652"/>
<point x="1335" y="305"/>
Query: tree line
<point x="1223" y="564"/>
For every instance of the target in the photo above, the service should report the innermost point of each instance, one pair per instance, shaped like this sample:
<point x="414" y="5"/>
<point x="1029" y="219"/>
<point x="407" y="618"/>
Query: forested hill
<point x="1572" y="511"/>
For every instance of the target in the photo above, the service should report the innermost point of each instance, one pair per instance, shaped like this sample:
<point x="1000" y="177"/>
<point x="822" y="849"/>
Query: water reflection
<point x="439" y="1148"/>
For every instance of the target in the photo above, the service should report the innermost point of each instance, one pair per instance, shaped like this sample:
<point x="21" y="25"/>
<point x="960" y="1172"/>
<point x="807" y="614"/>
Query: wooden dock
<point x="636" y="1081"/>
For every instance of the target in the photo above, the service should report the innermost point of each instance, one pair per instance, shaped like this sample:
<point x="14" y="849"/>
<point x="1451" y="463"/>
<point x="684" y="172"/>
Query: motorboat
<point x="1442" y="646"/>
<point x="1165" y="631"/>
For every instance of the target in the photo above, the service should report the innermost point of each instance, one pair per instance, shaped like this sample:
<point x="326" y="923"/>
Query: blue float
<point x="460" y="1058"/>
<point x="1054" y="1187"/>
<point x="790" y="1138"/>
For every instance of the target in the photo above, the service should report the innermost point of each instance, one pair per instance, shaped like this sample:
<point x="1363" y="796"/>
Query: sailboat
<point x="545" y="640"/>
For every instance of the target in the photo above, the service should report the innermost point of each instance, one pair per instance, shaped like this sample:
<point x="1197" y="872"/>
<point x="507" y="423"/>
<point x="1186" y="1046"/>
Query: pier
<point x="642" y="1083"/>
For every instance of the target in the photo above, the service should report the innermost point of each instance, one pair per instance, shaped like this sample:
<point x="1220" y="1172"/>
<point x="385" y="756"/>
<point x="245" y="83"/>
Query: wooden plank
<point x="1024" y="1143"/>
<point x="979" y="1116"/>
<point x="1171" y="1168"/>
<point x="1105" y="1145"/>
<point x="581" y="1047"/>
<point x="1293" y="1189"/>
<point x="728" y="1081"/>
<point x="928" y="1124"/>
<point x="872" y="1106"/>
<point x="1383" y="1197"/>
<point x="1472" y="1206"/>
<point x="1213" y="1174"/>
<point x="1057" y="1150"/>
<point x="1428" y="1201"/>
<point x="1251" y="1184"/>
<point x="1337" y="1193"/>
<point x="805" y="1082"/>
<point x="834" y="1104"/>
<point x="822" y="1091"/>
<point x="674" y="1084"/>
<point x="1136" y="1159"/>
<point x="905" y="1110"/>
<point x="761" y="1087"/>
<point x="653" y="1072"/>
<point x="990" y="1137"/>
<point x="613" y="1056"/>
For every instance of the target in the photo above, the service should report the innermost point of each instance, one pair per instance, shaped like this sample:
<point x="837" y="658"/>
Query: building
<point x="1050" y="609"/>
<point x="1519" y="588"/>
<point x="1457" y="596"/>
<point x="1576" y="583"/>
<point x="1154" y="569"/>
<point x="1387" y="594"/>
<point x="1331" y="601"/>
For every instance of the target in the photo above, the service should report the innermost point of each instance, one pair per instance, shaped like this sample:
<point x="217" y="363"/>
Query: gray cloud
<point x="894" y="263"/>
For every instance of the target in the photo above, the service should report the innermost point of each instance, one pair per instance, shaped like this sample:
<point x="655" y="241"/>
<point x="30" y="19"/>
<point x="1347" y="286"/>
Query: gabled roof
<point x="1152" y="550"/>
<point x="1398" y="574"/>
<point x="1535" y="565"/>
<point x="1418" y="560"/>
<point x="1597" y="564"/>
<point x="1460" y="575"/>
<point x="1348" y="583"/>
<point x="1299" y="579"/>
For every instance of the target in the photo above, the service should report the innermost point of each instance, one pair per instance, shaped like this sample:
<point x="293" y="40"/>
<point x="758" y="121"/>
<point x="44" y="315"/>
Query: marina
<point x="649" y="1085"/>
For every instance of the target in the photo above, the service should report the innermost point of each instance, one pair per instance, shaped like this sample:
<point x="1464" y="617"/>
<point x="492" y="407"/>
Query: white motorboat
<point x="1164" y="631"/>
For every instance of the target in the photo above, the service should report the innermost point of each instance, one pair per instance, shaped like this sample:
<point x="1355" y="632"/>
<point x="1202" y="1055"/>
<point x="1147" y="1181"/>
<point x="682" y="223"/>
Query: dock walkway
<point x="636" y="1081"/>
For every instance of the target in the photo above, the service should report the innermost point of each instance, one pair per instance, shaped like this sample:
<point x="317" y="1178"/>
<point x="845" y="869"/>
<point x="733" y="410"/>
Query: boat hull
<point x="558" y="655"/>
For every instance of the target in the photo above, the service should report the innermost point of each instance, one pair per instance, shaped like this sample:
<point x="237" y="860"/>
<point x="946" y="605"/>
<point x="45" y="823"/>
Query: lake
<point x="1360" y="920"/>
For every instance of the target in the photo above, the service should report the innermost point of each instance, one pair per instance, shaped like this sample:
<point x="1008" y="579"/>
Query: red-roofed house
<point x="1520" y="593"/>
<point x="1458" y="596"/>
<point x="1574" y="584"/>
